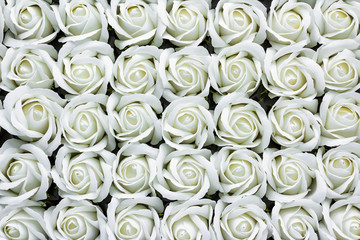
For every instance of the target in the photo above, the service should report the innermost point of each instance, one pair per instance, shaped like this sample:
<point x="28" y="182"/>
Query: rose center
<point x="132" y="171"/>
<point x="295" y="124"/>
<point x="237" y="170"/>
<point x="30" y="16"/>
<point x="300" y="228"/>
<point x="293" y="78"/>
<point x="186" y="75"/>
<point x="12" y="232"/>
<point x="184" y="16"/>
<point x="129" y="228"/>
<point x="71" y="226"/>
<point x="244" y="125"/>
<point x="79" y="11"/>
<point x="24" y="67"/>
<point x="134" y="12"/>
<point x="355" y="227"/>
<point x="137" y="75"/>
<point x="241" y="19"/>
<point x="292" y="20"/>
<point x="36" y="116"/>
<point x="339" y="19"/>
<point x="346" y="114"/>
<point x="186" y="119"/>
<point x="81" y="73"/>
<point x="14" y="169"/>
<point x="131" y="117"/>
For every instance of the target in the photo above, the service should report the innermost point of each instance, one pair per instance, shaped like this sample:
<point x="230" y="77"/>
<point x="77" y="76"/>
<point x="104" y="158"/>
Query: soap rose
<point x="30" y="65"/>
<point x="235" y="21"/>
<point x="187" y="123"/>
<point x="82" y="20"/>
<point x="33" y="115"/>
<point x="29" y="22"/>
<point x="185" y="72"/>
<point x="83" y="175"/>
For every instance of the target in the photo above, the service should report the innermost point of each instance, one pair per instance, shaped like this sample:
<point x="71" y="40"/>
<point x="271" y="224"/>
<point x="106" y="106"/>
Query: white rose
<point x="85" y="124"/>
<point x="237" y="69"/>
<point x="3" y="50"/>
<point x="340" y="168"/>
<point x="24" y="172"/>
<point x="30" y="65"/>
<point x="134" y="218"/>
<point x="290" y="22"/>
<point x="341" y="65"/>
<point x="339" y="117"/>
<point x="188" y="220"/>
<point x="29" y="22"/>
<point x="85" y="67"/>
<point x="185" y="21"/>
<point x="296" y="220"/>
<point x="136" y="71"/>
<point x="241" y="122"/>
<point x="187" y="123"/>
<point x="244" y="218"/>
<point x="25" y="220"/>
<point x="185" y="73"/>
<point x="293" y="72"/>
<point x="2" y="23"/>
<point x="337" y="20"/>
<point x="33" y="115"/>
<point x="133" y="118"/>
<point x="294" y="124"/>
<point x="83" y="175"/>
<point x="135" y="23"/>
<point x="75" y="220"/>
<point x="185" y="174"/>
<point x="236" y="21"/>
<point x="292" y="175"/>
<point x="341" y="220"/>
<point x="240" y="173"/>
<point x="133" y="171"/>
<point x="82" y="19"/>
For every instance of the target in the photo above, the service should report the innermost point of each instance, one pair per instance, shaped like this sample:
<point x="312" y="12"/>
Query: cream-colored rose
<point x="340" y="62"/>
<point x="82" y="20"/>
<point x="185" y="21"/>
<point x="293" y="72"/>
<point x="294" y="124"/>
<point x="29" y="22"/>
<point x="2" y="22"/>
<point x="340" y="168"/>
<point x="24" y="172"/>
<point x="135" y="23"/>
<point x="185" y="72"/>
<point x="136" y="72"/>
<point x="339" y="117"/>
<point x="290" y="22"/>
<point x="83" y="175"/>
<point x="337" y="20"/>
<point x="134" y="171"/>
<point x="187" y="123"/>
<point x="33" y="115"/>
<point x="30" y="65"/>
<point x="133" y="118"/>
<point x="240" y="173"/>
<point x="84" y="67"/>
<point x="241" y="122"/>
<point x="237" y="69"/>
<point x="235" y="21"/>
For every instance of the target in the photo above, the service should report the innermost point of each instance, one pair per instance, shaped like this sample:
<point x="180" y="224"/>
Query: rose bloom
<point x="29" y="22"/>
<point x="340" y="61"/>
<point x="296" y="220"/>
<point x="293" y="72"/>
<point x="25" y="220"/>
<point x="341" y="219"/>
<point x="185" y="21"/>
<point x="236" y="69"/>
<point x="33" y="115"/>
<point x="187" y="123"/>
<point x="2" y="23"/>
<point x="290" y="22"/>
<point x="83" y="175"/>
<point x="136" y="71"/>
<point x="240" y="173"/>
<point x="24" y="172"/>
<point x="185" y="174"/>
<point x="188" y="220"/>
<point x="337" y="20"/>
<point x="133" y="171"/>
<point x="84" y="67"/>
<point x="185" y="72"/>
<point x="82" y="19"/>
<point x="241" y="122"/>
<point x="340" y="168"/>
<point x="136" y="218"/>
<point x="71" y="219"/>
<point x="30" y="65"/>
<point x="244" y="218"/>
<point x="135" y="23"/>
<point x="339" y="117"/>
<point x="237" y="21"/>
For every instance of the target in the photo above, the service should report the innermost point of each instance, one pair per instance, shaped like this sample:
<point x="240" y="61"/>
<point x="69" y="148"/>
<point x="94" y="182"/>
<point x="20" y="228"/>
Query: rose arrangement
<point x="194" y="119"/>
